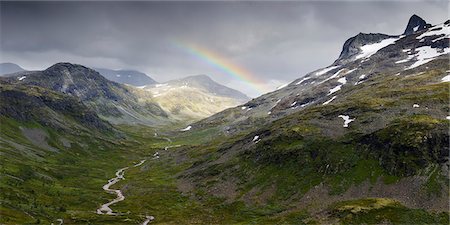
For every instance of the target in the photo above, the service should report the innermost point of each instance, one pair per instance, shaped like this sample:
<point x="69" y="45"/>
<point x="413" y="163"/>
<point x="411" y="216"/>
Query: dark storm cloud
<point x="276" y="41"/>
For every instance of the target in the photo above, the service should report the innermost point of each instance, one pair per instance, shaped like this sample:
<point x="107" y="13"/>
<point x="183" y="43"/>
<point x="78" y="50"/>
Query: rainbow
<point x="224" y="65"/>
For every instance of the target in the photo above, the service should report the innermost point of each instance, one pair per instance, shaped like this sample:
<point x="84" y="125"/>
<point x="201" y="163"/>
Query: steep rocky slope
<point x="364" y="57"/>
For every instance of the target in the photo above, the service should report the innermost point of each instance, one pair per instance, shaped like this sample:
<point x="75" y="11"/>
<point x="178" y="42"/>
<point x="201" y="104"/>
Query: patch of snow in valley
<point x="21" y="78"/>
<point x="406" y="50"/>
<point x="416" y="28"/>
<point x="141" y="87"/>
<point x="425" y="54"/>
<point x="346" y="119"/>
<point x="256" y="139"/>
<point x="243" y="107"/>
<point x="268" y="113"/>
<point x="416" y="106"/>
<point x="330" y="100"/>
<point x="448" y="117"/>
<point x="187" y="128"/>
<point x="294" y="103"/>
<point x="326" y="70"/>
<point x="370" y="49"/>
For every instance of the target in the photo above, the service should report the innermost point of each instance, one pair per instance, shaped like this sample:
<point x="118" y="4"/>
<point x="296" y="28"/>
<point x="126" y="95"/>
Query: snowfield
<point x="370" y="49"/>
<point x="425" y="54"/>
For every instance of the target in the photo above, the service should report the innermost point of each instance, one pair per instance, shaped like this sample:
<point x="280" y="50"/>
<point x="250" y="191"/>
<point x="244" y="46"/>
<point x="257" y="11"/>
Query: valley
<point x="361" y="141"/>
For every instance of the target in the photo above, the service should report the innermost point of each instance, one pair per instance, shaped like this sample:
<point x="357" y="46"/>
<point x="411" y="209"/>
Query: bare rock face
<point x="416" y="24"/>
<point x="352" y="46"/>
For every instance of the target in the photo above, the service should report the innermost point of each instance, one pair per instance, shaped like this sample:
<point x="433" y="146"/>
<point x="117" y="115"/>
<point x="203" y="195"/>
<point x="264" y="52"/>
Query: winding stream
<point x="105" y="208"/>
<point x="120" y="175"/>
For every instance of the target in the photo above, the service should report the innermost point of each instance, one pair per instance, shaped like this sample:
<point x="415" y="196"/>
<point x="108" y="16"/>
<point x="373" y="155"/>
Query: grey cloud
<point x="278" y="41"/>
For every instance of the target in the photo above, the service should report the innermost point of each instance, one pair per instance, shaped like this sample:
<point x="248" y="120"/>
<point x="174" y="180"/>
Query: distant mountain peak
<point x="125" y="76"/>
<point x="9" y="68"/>
<point x="64" y="66"/>
<point x="206" y="83"/>
<point x="416" y="23"/>
<point x="200" y="78"/>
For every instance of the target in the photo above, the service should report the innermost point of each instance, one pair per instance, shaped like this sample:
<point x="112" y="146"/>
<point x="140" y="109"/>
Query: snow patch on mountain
<point x="330" y="100"/>
<point x="346" y="119"/>
<point x="446" y="79"/>
<point x="187" y="128"/>
<point x="360" y="79"/>
<point x="332" y="76"/>
<point x="337" y="88"/>
<point x="342" y="80"/>
<point x="326" y="70"/>
<point x="425" y="54"/>
<point x="370" y="49"/>
<point x="282" y="86"/>
<point x="440" y="29"/>
<point x="302" y="80"/>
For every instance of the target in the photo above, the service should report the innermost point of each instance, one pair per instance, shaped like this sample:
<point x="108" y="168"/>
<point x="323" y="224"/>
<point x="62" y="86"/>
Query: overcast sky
<point x="274" y="41"/>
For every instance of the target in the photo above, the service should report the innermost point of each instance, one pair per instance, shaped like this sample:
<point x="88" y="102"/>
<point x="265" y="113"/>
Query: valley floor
<point x="68" y="189"/>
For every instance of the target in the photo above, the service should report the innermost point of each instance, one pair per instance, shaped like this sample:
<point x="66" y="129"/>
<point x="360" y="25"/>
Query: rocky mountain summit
<point x="112" y="101"/>
<point x="416" y="24"/>
<point x="131" y="77"/>
<point x="194" y="97"/>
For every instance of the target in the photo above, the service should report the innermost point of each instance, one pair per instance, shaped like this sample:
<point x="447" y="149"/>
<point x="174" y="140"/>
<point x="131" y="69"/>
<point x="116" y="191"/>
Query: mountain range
<point x="124" y="103"/>
<point x="362" y="141"/>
